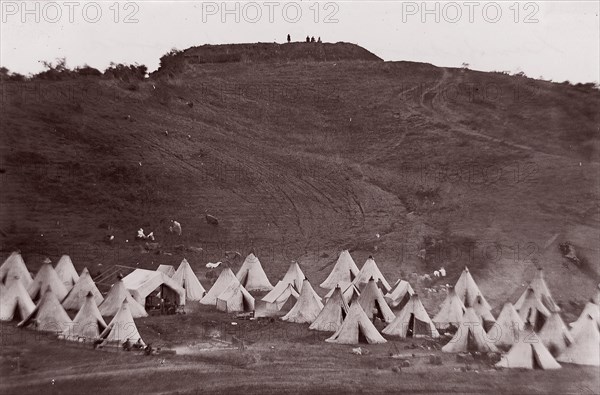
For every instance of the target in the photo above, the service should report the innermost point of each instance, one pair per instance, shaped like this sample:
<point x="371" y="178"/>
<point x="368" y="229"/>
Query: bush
<point x="125" y="72"/>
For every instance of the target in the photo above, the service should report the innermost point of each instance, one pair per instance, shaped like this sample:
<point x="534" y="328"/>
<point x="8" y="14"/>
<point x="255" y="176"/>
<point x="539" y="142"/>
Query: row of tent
<point x="532" y="327"/>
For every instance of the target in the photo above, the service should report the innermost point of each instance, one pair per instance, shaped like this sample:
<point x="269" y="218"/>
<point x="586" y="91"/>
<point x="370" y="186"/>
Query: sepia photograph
<point x="299" y="197"/>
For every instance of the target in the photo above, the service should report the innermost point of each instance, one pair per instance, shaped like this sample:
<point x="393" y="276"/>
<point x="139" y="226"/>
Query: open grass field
<point x="299" y="154"/>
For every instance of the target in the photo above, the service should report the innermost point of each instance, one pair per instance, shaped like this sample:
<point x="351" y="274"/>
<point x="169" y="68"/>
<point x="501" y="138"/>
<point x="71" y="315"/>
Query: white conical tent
<point x="590" y="309"/>
<point x="555" y="335"/>
<point x="470" y="336"/>
<point x="294" y="276"/>
<point x="235" y="298"/>
<point x="47" y="277"/>
<point x="532" y="311"/>
<point x="349" y="291"/>
<point x="371" y="271"/>
<point x="15" y="302"/>
<point x="332" y="315"/>
<point x="412" y="321"/>
<point x="14" y="267"/>
<point x="186" y="278"/>
<point x="225" y="278"/>
<point x="122" y="327"/>
<point x="307" y="308"/>
<point x="252" y="276"/>
<point x="66" y="272"/>
<point x="88" y="323"/>
<point x="467" y="290"/>
<point x="585" y="349"/>
<point x="399" y="295"/>
<point x="505" y="332"/>
<point x="540" y="288"/>
<point x="451" y="311"/>
<point x="373" y="304"/>
<point x="114" y="299"/>
<point x="528" y="353"/>
<point x="356" y="328"/>
<point x="344" y="271"/>
<point x="48" y="315"/>
<point x="485" y="313"/>
<point x="77" y="296"/>
<point x="277" y="298"/>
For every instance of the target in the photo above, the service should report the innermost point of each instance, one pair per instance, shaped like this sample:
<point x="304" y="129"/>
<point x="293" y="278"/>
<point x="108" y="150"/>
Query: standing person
<point x="289" y="39"/>
<point x="307" y="39"/>
<point x="312" y="39"/>
<point x="319" y="40"/>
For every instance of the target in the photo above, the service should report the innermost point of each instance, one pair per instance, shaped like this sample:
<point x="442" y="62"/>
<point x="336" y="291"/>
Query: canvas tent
<point x="356" y="328"/>
<point x="252" y="276"/>
<point x="412" y="321"/>
<point x="590" y="309"/>
<point x="169" y="270"/>
<point x="555" y="335"/>
<point x="505" y="332"/>
<point x="467" y="290"/>
<point x="66" y="272"/>
<point x="344" y="271"/>
<point x="373" y="304"/>
<point x="15" y="302"/>
<point x="14" y="267"/>
<point x="48" y="315"/>
<point x="294" y="276"/>
<point x="235" y="298"/>
<point x="279" y="300"/>
<point x="528" y="353"/>
<point x="307" y="307"/>
<point x="121" y="328"/>
<point x="470" y="336"/>
<point x="187" y="279"/>
<point x="532" y="311"/>
<point x="221" y="284"/>
<point x="540" y="288"/>
<point x="451" y="311"/>
<point x="114" y="299"/>
<point x="333" y="313"/>
<point x="349" y="291"/>
<point x="88" y="323"/>
<point x="47" y="277"/>
<point x="485" y="314"/>
<point x="399" y="295"/>
<point x="77" y="296"/>
<point x="585" y="349"/>
<point x="371" y="271"/>
<point x="143" y="283"/>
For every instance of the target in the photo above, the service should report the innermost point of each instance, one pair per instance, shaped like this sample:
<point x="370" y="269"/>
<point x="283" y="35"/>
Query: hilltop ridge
<point x="268" y="53"/>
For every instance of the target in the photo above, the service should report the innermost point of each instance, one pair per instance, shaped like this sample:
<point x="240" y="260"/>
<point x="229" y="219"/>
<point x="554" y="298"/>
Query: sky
<point x="554" y="40"/>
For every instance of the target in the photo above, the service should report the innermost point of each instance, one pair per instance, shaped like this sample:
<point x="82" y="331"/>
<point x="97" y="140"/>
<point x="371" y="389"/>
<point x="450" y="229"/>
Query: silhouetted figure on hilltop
<point x="319" y="40"/>
<point x="312" y="39"/>
<point x="289" y="39"/>
<point x="307" y="39"/>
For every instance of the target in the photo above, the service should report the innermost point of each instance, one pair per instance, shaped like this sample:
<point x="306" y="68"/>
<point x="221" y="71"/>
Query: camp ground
<point x="117" y="320"/>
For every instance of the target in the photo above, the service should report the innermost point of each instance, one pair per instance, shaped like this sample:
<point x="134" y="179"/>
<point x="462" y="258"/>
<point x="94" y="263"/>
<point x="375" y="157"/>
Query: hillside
<point x="301" y="152"/>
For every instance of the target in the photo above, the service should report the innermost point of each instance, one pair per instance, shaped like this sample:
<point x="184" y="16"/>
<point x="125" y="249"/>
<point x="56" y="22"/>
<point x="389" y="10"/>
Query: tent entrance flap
<point x="361" y="335"/>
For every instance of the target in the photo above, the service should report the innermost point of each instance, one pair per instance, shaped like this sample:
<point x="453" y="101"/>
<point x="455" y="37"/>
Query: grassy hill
<point x="303" y="149"/>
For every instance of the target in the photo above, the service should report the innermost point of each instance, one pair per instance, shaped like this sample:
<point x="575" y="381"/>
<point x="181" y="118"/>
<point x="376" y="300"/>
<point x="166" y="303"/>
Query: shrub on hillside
<point x="126" y="73"/>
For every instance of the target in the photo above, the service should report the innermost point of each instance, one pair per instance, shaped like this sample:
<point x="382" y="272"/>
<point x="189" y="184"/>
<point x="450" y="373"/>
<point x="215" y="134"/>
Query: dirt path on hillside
<point x="429" y="101"/>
